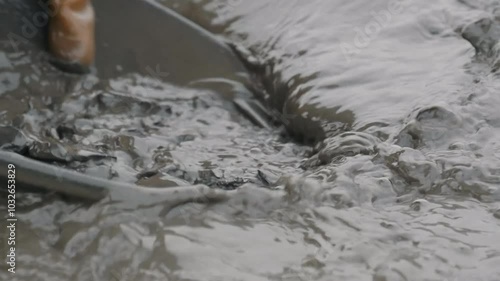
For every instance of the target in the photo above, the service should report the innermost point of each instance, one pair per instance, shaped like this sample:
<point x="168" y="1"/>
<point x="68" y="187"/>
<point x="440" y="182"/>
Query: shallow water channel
<point x="384" y="165"/>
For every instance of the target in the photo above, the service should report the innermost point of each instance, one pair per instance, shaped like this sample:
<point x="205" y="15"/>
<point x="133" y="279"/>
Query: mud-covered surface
<point x="404" y="184"/>
<point x="143" y="131"/>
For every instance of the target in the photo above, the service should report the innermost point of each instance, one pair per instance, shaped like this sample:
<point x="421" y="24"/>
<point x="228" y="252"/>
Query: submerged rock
<point x="484" y="36"/>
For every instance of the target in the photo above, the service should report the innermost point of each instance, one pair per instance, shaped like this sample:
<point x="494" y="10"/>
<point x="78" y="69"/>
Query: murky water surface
<point x="404" y="184"/>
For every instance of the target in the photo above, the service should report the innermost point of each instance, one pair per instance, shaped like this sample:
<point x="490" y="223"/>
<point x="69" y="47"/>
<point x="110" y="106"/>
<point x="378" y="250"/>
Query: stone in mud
<point x="429" y="125"/>
<point x="484" y="35"/>
<point x="419" y="205"/>
<point x="344" y="145"/>
<point x="415" y="169"/>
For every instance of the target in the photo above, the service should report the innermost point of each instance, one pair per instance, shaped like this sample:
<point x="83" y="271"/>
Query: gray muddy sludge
<point x="404" y="183"/>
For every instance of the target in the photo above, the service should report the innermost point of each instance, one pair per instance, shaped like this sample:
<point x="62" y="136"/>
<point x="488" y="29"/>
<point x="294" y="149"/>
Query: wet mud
<point x="383" y="164"/>
<point x="197" y="60"/>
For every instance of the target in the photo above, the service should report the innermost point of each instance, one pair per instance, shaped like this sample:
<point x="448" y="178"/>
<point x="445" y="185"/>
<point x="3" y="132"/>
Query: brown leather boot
<point x="71" y="31"/>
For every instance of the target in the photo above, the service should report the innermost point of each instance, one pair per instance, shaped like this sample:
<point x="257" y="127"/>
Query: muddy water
<point x="403" y="182"/>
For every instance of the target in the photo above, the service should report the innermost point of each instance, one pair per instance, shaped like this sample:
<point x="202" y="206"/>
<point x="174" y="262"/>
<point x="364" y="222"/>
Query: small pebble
<point x="418" y="204"/>
<point x="255" y="150"/>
